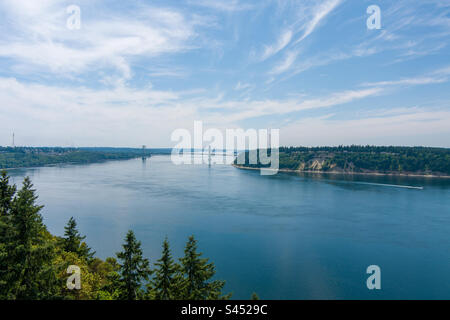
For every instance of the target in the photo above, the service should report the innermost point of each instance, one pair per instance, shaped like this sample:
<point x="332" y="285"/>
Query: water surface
<point x="285" y="237"/>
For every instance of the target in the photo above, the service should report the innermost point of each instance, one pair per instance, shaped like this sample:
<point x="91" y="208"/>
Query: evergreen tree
<point x="7" y="193"/>
<point x="72" y="238"/>
<point x="73" y="241"/>
<point x="30" y="271"/>
<point x="133" y="269"/>
<point x="164" y="283"/>
<point x="197" y="272"/>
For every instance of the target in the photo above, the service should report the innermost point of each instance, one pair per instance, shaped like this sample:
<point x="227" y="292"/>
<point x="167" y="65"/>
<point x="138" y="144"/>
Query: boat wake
<point x="390" y="185"/>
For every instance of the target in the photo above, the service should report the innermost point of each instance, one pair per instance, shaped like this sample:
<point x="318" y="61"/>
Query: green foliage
<point x="254" y="296"/>
<point x="26" y="252"/>
<point x="133" y="270"/>
<point x="364" y="159"/>
<point x="165" y="282"/>
<point x="35" y="157"/>
<point x="91" y="281"/>
<point x="110" y="288"/>
<point x="7" y="193"/>
<point x="73" y="241"/>
<point x="197" y="273"/>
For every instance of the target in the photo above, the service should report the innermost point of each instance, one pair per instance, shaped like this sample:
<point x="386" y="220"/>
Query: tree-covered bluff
<point x="362" y="159"/>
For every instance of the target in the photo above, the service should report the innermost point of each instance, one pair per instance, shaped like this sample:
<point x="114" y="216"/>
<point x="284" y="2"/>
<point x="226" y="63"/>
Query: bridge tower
<point x="144" y="156"/>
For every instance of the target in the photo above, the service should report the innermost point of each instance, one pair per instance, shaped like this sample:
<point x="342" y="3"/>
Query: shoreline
<point x="67" y="163"/>
<point x="349" y="173"/>
<point x="250" y="168"/>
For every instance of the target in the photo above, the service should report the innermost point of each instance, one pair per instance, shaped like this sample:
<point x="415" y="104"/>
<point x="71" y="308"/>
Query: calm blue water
<point x="284" y="237"/>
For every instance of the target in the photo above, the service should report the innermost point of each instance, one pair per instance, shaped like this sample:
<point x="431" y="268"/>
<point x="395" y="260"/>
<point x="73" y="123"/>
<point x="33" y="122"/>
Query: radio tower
<point x="13" y="141"/>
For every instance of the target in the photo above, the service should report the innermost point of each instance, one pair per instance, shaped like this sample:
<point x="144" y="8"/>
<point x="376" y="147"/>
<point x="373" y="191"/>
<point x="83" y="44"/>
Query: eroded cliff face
<point x="318" y="164"/>
<point x="322" y="163"/>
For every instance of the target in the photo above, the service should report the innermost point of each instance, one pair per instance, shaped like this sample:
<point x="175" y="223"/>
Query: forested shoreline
<point x="19" y="157"/>
<point x="33" y="262"/>
<point x="424" y="161"/>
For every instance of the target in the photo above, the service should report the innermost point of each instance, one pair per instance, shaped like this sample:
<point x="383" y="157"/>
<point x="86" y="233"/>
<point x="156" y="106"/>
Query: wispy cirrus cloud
<point x="285" y="64"/>
<point x="320" y="11"/>
<point x="438" y="76"/>
<point x="398" y="21"/>
<point x="281" y="43"/>
<point x="242" y="110"/>
<point x="311" y="16"/>
<point x="410" y="81"/>
<point x="242" y="86"/>
<point x="224" y="5"/>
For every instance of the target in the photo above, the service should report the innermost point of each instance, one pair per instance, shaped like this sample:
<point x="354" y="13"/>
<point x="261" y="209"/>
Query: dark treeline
<point x="32" y="157"/>
<point x="389" y="159"/>
<point x="33" y="262"/>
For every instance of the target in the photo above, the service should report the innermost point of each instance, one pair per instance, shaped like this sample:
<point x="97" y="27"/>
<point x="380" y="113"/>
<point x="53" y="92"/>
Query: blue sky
<point x="137" y="70"/>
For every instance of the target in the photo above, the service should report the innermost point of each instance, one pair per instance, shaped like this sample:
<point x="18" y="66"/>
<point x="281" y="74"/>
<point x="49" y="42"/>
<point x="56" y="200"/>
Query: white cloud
<point x="416" y="127"/>
<point x="242" y="86"/>
<point x="309" y="20"/>
<point x="242" y="110"/>
<point x="410" y="81"/>
<point x="222" y="5"/>
<point x="285" y="64"/>
<point x="167" y="72"/>
<point x="51" y="115"/>
<point x="40" y="40"/>
<point x="443" y="71"/>
<point x="438" y="76"/>
<point x="282" y="42"/>
<point x="319" y="13"/>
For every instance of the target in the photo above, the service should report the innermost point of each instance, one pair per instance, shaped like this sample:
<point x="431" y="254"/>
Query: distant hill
<point x="40" y="156"/>
<point x="364" y="159"/>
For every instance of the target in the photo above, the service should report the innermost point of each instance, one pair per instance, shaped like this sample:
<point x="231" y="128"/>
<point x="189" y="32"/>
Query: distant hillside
<point x="364" y="159"/>
<point x="128" y="150"/>
<point x="34" y="157"/>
